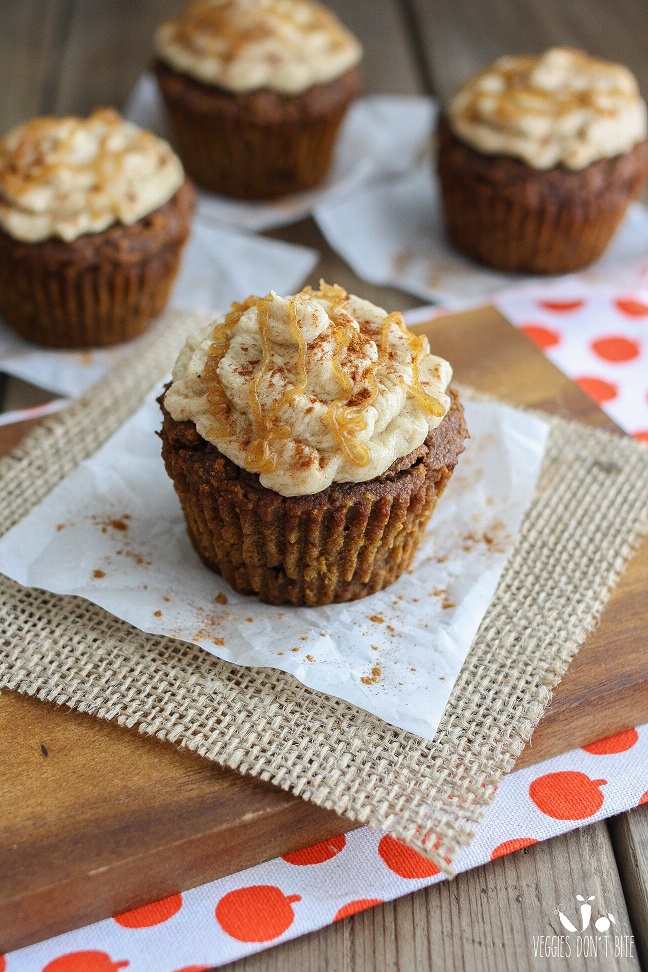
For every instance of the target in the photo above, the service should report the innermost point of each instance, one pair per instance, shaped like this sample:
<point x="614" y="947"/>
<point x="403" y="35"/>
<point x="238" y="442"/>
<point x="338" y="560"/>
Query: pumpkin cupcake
<point x="539" y="158"/>
<point x="256" y="91"/>
<point x="309" y="439"/>
<point x="94" y="213"/>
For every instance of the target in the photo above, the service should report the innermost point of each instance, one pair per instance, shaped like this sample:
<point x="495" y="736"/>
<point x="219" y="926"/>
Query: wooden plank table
<point x="70" y="55"/>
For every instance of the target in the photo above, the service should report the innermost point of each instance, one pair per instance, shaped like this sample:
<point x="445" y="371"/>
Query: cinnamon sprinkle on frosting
<point x="334" y="389"/>
<point x="246" y="45"/>
<point x="560" y="108"/>
<point x="63" y="177"/>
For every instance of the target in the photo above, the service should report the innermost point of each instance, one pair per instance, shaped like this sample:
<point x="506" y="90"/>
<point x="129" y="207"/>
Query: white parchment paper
<point x="219" y="265"/>
<point x="381" y="136"/>
<point x="113" y="532"/>
<point x="393" y="233"/>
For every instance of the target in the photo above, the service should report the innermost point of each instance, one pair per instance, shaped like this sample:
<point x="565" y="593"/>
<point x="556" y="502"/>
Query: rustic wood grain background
<point x="71" y="55"/>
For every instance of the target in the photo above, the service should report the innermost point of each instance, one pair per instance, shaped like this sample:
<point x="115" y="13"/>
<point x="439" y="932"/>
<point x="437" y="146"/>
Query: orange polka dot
<point x="544" y="337"/>
<point x="85" y="962"/>
<point x="353" y="907"/>
<point x="567" y="795"/>
<point x="615" y="349"/>
<point x="151" y="914"/>
<point x="258" y="913"/>
<point x="613" y="744"/>
<point x="561" y="306"/>
<point x="601" y="391"/>
<point x="643" y="799"/>
<point x="404" y="860"/>
<point x="631" y="307"/>
<point x="509" y="846"/>
<point x="195" y="968"/>
<point x="317" y="853"/>
<point x="642" y="436"/>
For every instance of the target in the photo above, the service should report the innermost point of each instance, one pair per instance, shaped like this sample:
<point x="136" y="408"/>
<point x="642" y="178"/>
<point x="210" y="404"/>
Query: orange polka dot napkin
<point x="303" y="891"/>
<point x="594" y="327"/>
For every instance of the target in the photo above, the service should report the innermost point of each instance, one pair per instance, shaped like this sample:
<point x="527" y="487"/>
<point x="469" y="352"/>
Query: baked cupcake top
<point x="63" y="177"/>
<point x="286" y="46"/>
<point x="559" y="108"/>
<point x="308" y="390"/>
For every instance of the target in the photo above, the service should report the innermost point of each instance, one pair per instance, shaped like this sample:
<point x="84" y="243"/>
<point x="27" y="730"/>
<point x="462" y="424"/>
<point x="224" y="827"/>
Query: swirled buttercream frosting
<point x="246" y="45"/>
<point x="63" y="177"/>
<point x="560" y="108"/>
<point x="312" y="389"/>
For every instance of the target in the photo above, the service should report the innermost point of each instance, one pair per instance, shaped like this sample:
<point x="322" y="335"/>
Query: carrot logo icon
<point x="601" y="924"/>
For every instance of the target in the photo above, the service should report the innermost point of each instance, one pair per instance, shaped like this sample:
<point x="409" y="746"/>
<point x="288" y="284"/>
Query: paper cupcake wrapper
<point x="100" y="295"/>
<point x="248" y="159"/>
<point x="93" y="307"/>
<point x="344" y="543"/>
<point x="510" y="216"/>
<point x="548" y="237"/>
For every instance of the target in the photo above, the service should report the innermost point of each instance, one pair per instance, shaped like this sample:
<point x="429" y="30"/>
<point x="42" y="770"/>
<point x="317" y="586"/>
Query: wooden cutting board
<point x="95" y="819"/>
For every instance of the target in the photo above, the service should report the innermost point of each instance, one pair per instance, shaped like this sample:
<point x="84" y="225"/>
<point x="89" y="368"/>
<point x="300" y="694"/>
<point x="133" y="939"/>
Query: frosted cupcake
<point x="256" y="91"/>
<point x="94" y="213"/>
<point x="539" y="158"/>
<point x="309" y="439"/>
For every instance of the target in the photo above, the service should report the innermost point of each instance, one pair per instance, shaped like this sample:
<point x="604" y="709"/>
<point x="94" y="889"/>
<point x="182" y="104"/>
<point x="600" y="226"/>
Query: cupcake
<point x="94" y="214"/>
<point x="309" y="439"/>
<point x="255" y="92"/>
<point x="539" y="158"/>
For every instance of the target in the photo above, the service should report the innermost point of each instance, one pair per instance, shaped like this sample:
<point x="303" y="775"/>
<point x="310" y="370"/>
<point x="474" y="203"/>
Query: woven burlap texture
<point x="585" y="521"/>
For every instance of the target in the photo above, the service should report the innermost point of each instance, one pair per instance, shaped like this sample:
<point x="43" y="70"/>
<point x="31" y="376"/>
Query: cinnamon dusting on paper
<point x="494" y="538"/>
<point x="116" y="523"/>
<point x="376" y="675"/>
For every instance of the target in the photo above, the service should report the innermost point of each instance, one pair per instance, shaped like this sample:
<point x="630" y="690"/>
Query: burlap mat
<point x="586" y="519"/>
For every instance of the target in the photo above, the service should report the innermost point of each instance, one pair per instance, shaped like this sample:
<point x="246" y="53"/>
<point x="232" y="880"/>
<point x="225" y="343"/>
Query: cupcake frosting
<point x="63" y="177"/>
<point x="308" y="390"/>
<point x="245" y="45"/>
<point x="560" y="108"/>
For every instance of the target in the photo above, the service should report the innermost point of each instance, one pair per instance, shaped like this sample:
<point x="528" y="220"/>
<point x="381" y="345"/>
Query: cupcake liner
<point x="105" y="291"/>
<point x="548" y="238"/>
<point x="228" y="146"/>
<point x="525" y="220"/>
<point x="348" y="541"/>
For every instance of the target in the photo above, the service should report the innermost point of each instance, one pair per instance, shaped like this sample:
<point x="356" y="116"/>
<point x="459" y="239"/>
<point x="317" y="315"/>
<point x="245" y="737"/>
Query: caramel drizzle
<point x="217" y="401"/>
<point x="261" y="456"/>
<point x="237" y="29"/>
<point x="31" y="164"/>
<point x="517" y="83"/>
<point x="418" y="348"/>
<point x="347" y="421"/>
